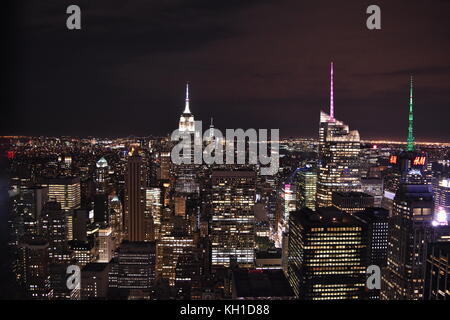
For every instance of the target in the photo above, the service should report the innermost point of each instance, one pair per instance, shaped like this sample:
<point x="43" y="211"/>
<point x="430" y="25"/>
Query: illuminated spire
<point x="186" y="108"/>
<point x="331" y="94"/>
<point x="211" y="128"/>
<point x="410" y="141"/>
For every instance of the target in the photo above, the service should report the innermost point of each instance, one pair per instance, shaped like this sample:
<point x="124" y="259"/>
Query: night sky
<point x="250" y="64"/>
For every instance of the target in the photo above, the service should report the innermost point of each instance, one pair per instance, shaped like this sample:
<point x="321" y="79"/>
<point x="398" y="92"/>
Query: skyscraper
<point x="409" y="224"/>
<point x="174" y="242"/>
<point x="34" y="264"/>
<point x="409" y="233"/>
<point x="338" y="156"/>
<point x="377" y="224"/>
<point x="187" y="118"/>
<point x="101" y="176"/>
<point x="54" y="229"/>
<point x="408" y="166"/>
<point x="442" y="194"/>
<point x="232" y="225"/>
<point x="327" y="255"/>
<point x="437" y="272"/>
<point x="133" y="269"/>
<point x="185" y="173"/>
<point x="135" y="186"/>
<point x="65" y="190"/>
<point x="106" y="245"/>
<point x="154" y="208"/>
<point x="307" y="184"/>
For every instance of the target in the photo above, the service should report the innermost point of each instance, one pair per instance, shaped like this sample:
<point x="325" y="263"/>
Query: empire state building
<point x="187" y="118"/>
<point x="185" y="173"/>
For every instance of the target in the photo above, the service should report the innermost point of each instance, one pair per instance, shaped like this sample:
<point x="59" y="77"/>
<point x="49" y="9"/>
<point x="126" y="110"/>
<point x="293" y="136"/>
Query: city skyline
<point x="224" y="156"/>
<point x="236" y="66"/>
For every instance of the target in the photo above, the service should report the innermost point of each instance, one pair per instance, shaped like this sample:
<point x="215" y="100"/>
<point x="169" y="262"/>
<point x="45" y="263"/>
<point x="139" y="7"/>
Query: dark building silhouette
<point x="437" y="272"/>
<point x="135" y="186"/>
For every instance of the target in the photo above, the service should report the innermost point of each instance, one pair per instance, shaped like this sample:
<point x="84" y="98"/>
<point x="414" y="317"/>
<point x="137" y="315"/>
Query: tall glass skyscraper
<point x="339" y="150"/>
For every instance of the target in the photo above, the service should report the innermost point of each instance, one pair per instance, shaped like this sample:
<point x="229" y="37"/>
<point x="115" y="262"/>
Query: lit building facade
<point x="442" y="194"/>
<point x="232" y="226"/>
<point x="307" y="184"/>
<point x="327" y="255"/>
<point x="66" y="191"/>
<point x="106" y="245"/>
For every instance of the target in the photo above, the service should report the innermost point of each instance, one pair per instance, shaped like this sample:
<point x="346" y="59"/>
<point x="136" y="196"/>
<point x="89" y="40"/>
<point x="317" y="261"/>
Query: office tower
<point x="34" y="199"/>
<point x="106" y="245"/>
<point x="409" y="224"/>
<point x="377" y="224"/>
<point x="232" y="226"/>
<point x="34" y="271"/>
<point x="327" y="255"/>
<point x="437" y="272"/>
<point x="174" y="242"/>
<point x="441" y="192"/>
<point x="87" y="192"/>
<point x="94" y="281"/>
<point x="54" y="229"/>
<point x="154" y="207"/>
<point x="65" y="190"/>
<point x="165" y="165"/>
<point x="101" y="209"/>
<point x="135" y="186"/>
<point x="352" y="202"/>
<point x="27" y="207"/>
<point x="83" y="252"/>
<point x="307" y="182"/>
<point x="338" y="156"/>
<point x="80" y="222"/>
<point x="188" y="272"/>
<point x="288" y="197"/>
<point x="409" y="233"/>
<point x="116" y="219"/>
<point x="101" y="176"/>
<point x="373" y="187"/>
<point x="133" y="269"/>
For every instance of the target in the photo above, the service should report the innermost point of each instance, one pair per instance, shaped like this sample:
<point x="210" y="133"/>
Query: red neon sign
<point x="10" y="155"/>
<point x="393" y="159"/>
<point x="419" y="161"/>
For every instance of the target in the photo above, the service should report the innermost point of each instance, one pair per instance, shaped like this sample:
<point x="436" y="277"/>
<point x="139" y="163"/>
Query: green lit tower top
<point x="410" y="141"/>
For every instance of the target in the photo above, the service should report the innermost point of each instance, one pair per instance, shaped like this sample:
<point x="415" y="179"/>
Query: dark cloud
<point x="250" y="64"/>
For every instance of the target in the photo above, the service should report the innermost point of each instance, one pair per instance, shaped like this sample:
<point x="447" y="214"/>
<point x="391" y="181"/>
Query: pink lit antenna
<point x="331" y="93"/>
